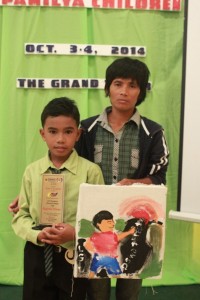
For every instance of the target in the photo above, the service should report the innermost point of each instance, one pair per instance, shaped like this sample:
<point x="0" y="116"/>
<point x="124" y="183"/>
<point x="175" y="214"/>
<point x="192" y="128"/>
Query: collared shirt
<point x="121" y="148"/>
<point x="77" y="170"/>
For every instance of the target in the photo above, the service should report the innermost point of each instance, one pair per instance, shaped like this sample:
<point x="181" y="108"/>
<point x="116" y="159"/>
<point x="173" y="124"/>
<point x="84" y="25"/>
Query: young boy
<point x="60" y="121"/>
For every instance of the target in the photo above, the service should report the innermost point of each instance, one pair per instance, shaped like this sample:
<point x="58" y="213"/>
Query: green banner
<point x="160" y="32"/>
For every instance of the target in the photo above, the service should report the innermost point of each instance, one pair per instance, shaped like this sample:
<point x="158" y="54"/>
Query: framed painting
<point x="120" y="231"/>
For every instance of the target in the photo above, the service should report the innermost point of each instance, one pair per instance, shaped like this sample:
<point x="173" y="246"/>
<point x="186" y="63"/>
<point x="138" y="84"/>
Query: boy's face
<point x="106" y="225"/>
<point x="124" y="94"/>
<point x="60" y="134"/>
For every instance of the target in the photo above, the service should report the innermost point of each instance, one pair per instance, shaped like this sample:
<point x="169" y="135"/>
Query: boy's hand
<point x="57" y="234"/>
<point x="89" y="246"/>
<point x="132" y="230"/>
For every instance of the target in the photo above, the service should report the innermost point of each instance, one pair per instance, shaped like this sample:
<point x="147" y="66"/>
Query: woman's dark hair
<point x="128" y="68"/>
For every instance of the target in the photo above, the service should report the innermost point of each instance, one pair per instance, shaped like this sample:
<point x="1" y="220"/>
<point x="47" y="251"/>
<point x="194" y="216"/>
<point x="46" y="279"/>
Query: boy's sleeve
<point x="22" y="222"/>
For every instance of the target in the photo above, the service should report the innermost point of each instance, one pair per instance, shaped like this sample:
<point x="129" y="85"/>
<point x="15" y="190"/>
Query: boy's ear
<point x="97" y="226"/>
<point x="79" y="134"/>
<point x="42" y="133"/>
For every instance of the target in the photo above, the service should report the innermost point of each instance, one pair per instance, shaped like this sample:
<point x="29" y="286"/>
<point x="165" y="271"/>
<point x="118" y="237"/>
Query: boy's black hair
<point x="101" y="215"/>
<point x="62" y="106"/>
<point x="128" y="68"/>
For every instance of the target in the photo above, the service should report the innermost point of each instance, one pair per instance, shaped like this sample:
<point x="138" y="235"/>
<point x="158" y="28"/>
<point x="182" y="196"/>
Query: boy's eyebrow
<point x="68" y="127"/>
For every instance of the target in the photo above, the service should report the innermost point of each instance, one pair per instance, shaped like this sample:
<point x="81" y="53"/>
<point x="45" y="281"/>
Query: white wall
<point x="190" y="179"/>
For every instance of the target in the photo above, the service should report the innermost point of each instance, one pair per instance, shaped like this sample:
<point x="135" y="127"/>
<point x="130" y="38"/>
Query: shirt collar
<point x="103" y="117"/>
<point x="71" y="164"/>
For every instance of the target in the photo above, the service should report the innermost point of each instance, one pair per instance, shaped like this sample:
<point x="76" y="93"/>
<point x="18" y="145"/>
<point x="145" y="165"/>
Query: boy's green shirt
<point x="77" y="170"/>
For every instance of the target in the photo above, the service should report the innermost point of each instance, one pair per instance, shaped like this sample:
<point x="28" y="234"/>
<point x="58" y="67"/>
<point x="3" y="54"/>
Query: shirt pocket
<point x="98" y="150"/>
<point x="134" y="158"/>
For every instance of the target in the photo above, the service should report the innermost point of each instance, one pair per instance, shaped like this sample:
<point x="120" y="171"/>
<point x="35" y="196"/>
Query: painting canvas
<point x="120" y="231"/>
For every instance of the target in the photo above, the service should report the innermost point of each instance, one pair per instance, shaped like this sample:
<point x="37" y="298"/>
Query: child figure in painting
<point x="104" y="245"/>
